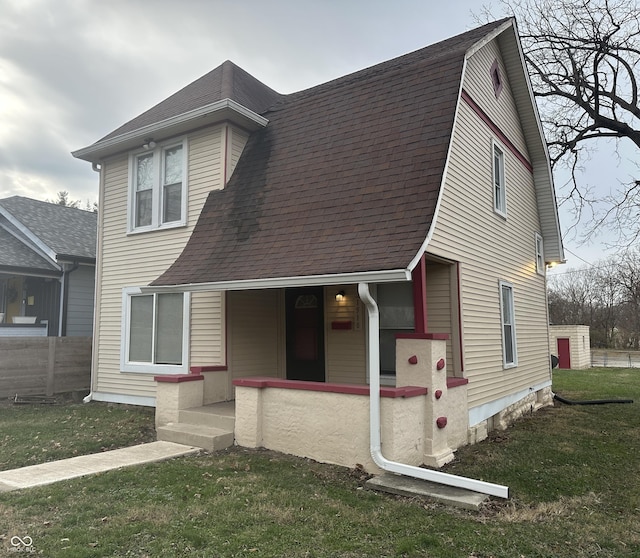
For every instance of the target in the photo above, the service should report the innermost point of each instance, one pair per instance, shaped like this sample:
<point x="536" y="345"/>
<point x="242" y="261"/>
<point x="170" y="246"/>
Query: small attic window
<point x="496" y="78"/>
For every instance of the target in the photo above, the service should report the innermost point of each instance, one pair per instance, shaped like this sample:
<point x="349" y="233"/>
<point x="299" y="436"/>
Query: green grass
<point x="574" y="474"/>
<point x="32" y="434"/>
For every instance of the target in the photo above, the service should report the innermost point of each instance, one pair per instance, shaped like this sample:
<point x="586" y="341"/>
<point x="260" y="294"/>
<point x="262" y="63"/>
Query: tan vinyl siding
<point x="440" y="315"/>
<point x="237" y="140"/>
<point x="207" y="329"/>
<point x="137" y="259"/>
<point x="501" y="110"/>
<point x="345" y="348"/>
<point x="490" y="248"/>
<point x="255" y="324"/>
<point x="531" y="124"/>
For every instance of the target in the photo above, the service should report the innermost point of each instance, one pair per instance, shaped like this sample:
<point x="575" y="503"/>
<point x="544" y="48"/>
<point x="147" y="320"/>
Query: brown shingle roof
<point x="227" y="81"/>
<point x="345" y="177"/>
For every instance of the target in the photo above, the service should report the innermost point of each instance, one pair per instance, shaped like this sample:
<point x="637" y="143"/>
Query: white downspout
<point x="97" y="167"/>
<point x="374" y="418"/>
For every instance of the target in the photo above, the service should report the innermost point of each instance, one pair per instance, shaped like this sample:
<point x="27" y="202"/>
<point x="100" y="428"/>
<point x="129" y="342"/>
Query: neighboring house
<point x="47" y="268"/>
<point x="271" y="249"/>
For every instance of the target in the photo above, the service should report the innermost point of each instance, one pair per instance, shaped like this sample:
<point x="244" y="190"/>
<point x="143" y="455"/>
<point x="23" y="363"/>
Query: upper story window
<point x="540" y="267"/>
<point x="499" y="186"/>
<point x="158" y="191"/>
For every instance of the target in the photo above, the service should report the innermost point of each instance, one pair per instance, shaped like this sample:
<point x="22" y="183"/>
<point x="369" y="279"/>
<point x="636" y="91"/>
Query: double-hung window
<point x="499" y="187"/>
<point x="508" y="322"/>
<point x="158" y="192"/>
<point x="395" y="303"/>
<point x="540" y="267"/>
<point x="155" y="332"/>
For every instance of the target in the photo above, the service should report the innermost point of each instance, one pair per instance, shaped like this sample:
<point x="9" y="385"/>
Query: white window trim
<point x="495" y="146"/>
<point x="146" y="367"/>
<point x="505" y="364"/>
<point x="156" y="203"/>
<point x="539" y="248"/>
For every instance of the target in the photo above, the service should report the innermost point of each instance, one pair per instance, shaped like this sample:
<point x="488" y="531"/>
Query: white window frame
<point x="148" y="367"/>
<point x="539" y="247"/>
<point x="158" y="152"/>
<point x="503" y="325"/>
<point x="499" y="183"/>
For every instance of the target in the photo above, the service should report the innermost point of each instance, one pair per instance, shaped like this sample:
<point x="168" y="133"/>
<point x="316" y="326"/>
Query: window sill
<point x="154" y="369"/>
<point x="168" y="226"/>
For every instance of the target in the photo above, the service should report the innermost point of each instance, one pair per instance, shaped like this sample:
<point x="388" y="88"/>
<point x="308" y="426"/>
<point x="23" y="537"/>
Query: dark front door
<point x="305" y="334"/>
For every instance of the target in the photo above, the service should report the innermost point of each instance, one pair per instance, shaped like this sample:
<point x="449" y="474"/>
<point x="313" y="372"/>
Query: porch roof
<point x="344" y="179"/>
<point x="17" y="257"/>
<point x="53" y="229"/>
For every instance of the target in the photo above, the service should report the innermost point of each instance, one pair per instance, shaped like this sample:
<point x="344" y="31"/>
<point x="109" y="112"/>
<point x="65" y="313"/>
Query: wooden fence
<point x="44" y="365"/>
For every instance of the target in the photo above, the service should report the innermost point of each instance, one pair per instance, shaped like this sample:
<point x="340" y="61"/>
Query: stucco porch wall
<point x="329" y="426"/>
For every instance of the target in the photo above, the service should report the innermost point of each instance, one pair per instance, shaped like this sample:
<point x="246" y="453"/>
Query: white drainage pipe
<point x="374" y="418"/>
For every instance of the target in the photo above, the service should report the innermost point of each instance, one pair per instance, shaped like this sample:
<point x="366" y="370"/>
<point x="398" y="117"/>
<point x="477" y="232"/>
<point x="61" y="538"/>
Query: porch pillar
<point x="421" y="361"/>
<point x="249" y="419"/>
<point x="175" y="392"/>
<point x="419" y="280"/>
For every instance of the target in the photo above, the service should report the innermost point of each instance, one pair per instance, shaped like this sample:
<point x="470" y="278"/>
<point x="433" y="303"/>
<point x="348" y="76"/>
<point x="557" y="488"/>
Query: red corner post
<point x="419" y="278"/>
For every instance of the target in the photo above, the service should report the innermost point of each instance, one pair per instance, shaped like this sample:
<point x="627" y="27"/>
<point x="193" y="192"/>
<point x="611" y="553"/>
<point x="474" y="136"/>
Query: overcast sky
<point x="71" y="71"/>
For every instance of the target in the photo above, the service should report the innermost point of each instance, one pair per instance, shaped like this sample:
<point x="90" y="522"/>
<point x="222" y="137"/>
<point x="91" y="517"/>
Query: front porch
<point x="423" y="418"/>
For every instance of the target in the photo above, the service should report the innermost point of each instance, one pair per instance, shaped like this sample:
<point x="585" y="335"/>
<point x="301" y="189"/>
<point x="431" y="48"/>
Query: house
<point x="266" y="260"/>
<point x="47" y="268"/>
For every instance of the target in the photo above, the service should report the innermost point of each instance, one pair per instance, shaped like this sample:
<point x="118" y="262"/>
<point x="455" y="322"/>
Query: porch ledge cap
<point x="208" y="368"/>
<point x="329" y="387"/>
<point x="432" y="336"/>
<point x="178" y="378"/>
<point x="456" y="382"/>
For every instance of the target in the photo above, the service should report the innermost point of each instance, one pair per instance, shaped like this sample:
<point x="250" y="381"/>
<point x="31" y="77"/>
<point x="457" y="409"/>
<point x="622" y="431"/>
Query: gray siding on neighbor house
<point x="81" y="293"/>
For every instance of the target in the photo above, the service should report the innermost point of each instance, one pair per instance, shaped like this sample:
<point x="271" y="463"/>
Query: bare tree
<point x="628" y="280"/>
<point x="583" y="57"/>
<point x="605" y="297"/>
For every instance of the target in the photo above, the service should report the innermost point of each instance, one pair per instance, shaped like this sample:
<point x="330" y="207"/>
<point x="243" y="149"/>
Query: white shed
<point x="571" y="344"/>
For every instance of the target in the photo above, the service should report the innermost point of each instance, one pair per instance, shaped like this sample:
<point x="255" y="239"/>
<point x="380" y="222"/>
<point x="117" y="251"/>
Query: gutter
<point x="373" y="364"/>
<point x="214" y="112"/>
<point x="392" y="275"/>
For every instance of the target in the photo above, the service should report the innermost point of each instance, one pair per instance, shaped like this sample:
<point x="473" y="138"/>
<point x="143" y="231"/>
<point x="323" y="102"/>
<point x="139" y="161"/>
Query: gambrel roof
<point x="340" y="180"/>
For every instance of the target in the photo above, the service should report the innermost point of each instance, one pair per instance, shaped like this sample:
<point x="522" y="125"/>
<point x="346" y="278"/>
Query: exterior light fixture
<point x="148" y="144"/>
<point x="340" y="296"/>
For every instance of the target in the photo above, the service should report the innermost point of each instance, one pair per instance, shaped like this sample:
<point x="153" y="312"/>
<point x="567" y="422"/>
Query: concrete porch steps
<point x="210" y="427"/>
<point x="218" y="415"/>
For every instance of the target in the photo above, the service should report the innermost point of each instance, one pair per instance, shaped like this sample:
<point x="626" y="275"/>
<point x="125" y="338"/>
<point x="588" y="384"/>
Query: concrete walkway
<point x="65" y="469"/>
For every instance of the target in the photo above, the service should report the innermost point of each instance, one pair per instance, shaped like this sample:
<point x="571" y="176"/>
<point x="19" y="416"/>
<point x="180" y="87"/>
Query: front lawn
<point x="32" y="434"/>
<point x="574" y="474"/>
